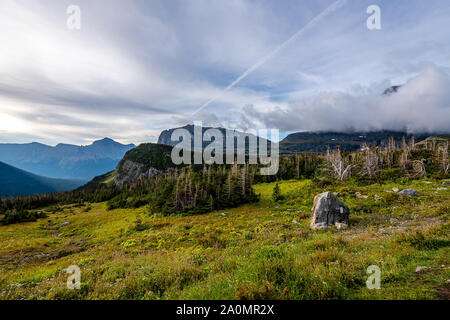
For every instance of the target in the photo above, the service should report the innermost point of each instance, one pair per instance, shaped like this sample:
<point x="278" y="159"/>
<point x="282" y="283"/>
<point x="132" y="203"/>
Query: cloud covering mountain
<point x="421" y="105"/>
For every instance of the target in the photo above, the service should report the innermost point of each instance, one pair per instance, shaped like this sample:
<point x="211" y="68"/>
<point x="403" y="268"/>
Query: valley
<point x="16" y="182"/>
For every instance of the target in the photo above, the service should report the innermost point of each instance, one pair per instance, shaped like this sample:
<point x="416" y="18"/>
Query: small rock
<point x="446" y="183"/>
<point x="320" y="226"/>
<point x="360" y="196"/>
<point x="59" y="235"/>
<point x="340" y="225"/>
<point x="421" y="268"/>
<point x="440" y="189"/>
<point x="409" y="193"/>
<point x="223" y="214"/>
<point x="395" y="189"/>
<point x="64" y="224"/>
<point x="295" y="221"/>
<point x="377" y="197"/>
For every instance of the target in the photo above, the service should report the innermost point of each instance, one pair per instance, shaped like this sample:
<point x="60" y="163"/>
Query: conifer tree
<point x="276" y="195"/>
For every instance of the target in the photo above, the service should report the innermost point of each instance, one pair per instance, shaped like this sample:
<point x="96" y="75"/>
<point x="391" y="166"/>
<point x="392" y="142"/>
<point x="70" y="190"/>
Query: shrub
<point x="419" y="241"/>
<point x="18" y="216"/>
<point x="276" y="195"/>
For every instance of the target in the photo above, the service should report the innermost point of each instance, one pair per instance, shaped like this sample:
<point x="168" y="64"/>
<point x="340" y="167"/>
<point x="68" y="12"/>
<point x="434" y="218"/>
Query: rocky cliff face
<point x="131" y="171"/>
<point x="144" y="161"/>
<point x="164" y="138"/>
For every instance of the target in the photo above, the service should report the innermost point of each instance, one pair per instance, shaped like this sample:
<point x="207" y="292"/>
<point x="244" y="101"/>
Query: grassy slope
<point x="106" y="178"/>
<point x="254" y="251"/>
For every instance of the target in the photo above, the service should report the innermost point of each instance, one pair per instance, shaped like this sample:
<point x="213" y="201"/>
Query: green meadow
<point x="263" y="250"/>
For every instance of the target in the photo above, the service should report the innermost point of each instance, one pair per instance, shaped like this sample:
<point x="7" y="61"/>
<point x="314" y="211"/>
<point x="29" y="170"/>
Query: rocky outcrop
<point x="328" y="211"/>
<point x="131" y="171"/>
<point x="166" y="138"/>
<point x="360" y="196"/>
<point x="391" y="90"/>
<point x="409" y="193"/>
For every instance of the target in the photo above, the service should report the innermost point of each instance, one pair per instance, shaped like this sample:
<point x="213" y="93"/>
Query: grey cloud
<point x="421" y="105"/>
<point x="137" y="67"/>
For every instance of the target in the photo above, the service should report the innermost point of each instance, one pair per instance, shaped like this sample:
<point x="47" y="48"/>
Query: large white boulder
<point x="328" y="211"/>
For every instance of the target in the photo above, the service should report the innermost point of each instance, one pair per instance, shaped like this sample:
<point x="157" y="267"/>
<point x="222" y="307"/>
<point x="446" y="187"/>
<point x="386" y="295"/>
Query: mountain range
<point x="349" y="141"/>
<point x="311" y="141"/>
<point x="65" y="160"/>
<point x="165" y="136"/>
<point x="110" y="161"/>
<point x="17" y="182"/>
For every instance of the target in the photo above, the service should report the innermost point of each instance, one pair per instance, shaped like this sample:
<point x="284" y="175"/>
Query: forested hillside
<point x="16" y="182"/>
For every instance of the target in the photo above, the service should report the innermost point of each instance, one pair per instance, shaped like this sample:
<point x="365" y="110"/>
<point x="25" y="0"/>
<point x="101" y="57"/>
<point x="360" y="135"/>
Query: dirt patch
<point x="443" y="292"/>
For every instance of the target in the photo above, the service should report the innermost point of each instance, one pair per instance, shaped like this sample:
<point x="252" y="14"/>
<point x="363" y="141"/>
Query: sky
<point x="135" y="68"/>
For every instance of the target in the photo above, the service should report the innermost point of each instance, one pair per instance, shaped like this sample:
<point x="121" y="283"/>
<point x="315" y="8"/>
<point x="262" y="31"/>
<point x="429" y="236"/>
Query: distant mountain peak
<point x="109" y="141"/>
<point x="391" y="90"/>
<point x="65" y="160"/>
<point x="105" y="141"/>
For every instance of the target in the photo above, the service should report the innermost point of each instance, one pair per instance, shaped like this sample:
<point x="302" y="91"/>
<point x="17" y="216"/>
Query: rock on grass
<point x="328" y="211"/>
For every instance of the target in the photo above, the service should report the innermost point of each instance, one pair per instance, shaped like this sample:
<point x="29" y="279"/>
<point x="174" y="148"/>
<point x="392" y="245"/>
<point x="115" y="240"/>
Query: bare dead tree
<point x="339" y="165"/>
<point x="297" y="165"/>
<point x="391" y="144"/>
<point x="412" y="143"/>
<point x="244" y="179"/>
<point x="442" y="158"/>
<point x="371" y="161"/>
<point x="387" y="155"/>
<point x="404" y="157"/>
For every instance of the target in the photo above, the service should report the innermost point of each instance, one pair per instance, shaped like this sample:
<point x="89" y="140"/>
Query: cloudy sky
<point x="138" y="67"/>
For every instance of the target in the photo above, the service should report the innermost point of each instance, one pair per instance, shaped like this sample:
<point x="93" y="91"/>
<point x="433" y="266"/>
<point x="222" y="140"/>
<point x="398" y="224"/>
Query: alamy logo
<point x="237" y="147"/>
<point x="74" y="280"/>
<point x="374" y="279"/>
<point x="374" y="21"/>
<point x="74" y="19"/>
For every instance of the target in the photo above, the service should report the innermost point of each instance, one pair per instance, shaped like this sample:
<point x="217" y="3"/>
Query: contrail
<point x="333" y="7"/>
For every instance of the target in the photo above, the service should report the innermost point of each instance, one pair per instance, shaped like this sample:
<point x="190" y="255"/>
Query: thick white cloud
<point x="421" y="105"/>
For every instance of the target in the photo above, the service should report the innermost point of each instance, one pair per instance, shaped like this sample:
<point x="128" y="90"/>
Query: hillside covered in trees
<point x="203" y="188"/>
